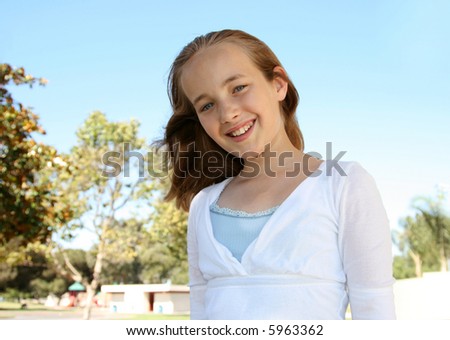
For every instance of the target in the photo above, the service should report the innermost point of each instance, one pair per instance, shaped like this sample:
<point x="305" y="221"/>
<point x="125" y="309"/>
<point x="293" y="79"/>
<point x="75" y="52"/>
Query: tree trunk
<point x="443" y="260"/>
<point x="88" y="307"/>
<point x="92" y="287"/>
<point x="417" y="263"/>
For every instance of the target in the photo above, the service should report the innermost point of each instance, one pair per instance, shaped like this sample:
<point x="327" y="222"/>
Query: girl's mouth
<point x="242" y="133"/>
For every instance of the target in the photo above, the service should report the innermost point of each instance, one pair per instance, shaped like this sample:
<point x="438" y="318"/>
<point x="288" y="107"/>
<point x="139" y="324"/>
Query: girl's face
<point x="236" y="105"/>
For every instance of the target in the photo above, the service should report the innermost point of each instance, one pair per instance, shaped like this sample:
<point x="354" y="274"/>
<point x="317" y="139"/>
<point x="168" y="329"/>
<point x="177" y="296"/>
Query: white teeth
<point x="242" y="130"/>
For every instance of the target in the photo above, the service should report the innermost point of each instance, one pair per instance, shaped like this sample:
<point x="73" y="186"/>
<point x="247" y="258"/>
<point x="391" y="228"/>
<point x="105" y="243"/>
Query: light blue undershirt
<point x="236" y="229"/>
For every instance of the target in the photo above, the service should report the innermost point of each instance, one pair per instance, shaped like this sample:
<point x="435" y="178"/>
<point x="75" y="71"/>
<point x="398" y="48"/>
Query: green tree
<point x="438" y="223"/>
<point x="105" y="187"/>
<point x="417" y="241"/>
<point x="41" y="287"/>
<point x="169" y="227"/>
<point x="159" y="265"/>
<point x="403" y="267"/>
<point x="30" y="206"/>
<point x="33" y="274"/>
<point x="49" y="281"/>
<point x="168" y="250"/>
<point x="131" y="234"/>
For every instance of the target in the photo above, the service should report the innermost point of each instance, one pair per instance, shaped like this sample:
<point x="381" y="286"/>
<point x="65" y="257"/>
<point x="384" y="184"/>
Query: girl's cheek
<point x="208" y="123"/>
<point x="248" y="99"/>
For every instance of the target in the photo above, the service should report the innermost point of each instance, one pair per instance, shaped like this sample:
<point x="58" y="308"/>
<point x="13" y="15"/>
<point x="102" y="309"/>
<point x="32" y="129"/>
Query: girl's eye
<point x="206" y="107"/>
<point x="239" y="88"/>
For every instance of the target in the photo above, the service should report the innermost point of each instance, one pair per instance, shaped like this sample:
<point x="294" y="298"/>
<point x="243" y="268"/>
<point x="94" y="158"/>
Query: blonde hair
<point x="185" y="138"/>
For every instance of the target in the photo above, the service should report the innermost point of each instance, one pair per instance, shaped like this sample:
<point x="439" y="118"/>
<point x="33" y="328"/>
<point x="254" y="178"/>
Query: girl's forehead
<point x="218" y="61"/>
<point x="221" y="53"/>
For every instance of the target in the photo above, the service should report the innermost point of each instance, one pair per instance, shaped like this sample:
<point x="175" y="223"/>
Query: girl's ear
<point x="280" y="82"/>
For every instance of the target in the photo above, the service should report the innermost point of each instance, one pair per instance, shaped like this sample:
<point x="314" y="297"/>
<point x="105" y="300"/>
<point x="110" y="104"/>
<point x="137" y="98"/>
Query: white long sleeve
<point x="366" y="247"/>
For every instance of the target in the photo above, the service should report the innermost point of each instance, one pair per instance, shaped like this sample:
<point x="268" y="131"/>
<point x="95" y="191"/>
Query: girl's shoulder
<point x="343" y="170"/>
<point x="348" y="184"/>
<point x="349" y="178"/>
<point x="346" y="174"/>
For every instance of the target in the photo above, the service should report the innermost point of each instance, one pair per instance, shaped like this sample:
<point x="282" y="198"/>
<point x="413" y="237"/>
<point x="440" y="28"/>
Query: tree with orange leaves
<point x="30" y="205"/>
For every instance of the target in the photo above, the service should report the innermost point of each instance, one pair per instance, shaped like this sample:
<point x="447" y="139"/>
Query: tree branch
<point x="133" y="188"/>
<point x="60" y="268"/>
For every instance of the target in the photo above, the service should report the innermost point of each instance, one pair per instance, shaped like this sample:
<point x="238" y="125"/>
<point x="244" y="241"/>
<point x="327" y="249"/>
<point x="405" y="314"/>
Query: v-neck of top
<point x="236" y="232"/>
<point x="223" y="250"/>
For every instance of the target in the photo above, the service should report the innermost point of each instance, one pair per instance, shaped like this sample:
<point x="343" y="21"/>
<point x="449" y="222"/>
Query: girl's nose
<point x="228" y="112"/>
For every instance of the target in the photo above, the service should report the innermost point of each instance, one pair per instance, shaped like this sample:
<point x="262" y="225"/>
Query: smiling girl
<point x="264" y="241"/>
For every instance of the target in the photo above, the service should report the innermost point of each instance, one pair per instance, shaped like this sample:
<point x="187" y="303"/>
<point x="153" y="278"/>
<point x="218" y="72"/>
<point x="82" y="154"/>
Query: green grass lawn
<point x="15" y="307"/>
<point x="9" y="309"/>
<point x="157" y="317"/>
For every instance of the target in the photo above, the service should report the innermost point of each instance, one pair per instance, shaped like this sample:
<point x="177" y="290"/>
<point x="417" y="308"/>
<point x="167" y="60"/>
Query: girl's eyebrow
<point x="228" y="80"/>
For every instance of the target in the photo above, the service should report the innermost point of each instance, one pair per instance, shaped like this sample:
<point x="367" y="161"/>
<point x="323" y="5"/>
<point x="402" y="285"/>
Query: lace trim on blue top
<point x="240" y="213"/>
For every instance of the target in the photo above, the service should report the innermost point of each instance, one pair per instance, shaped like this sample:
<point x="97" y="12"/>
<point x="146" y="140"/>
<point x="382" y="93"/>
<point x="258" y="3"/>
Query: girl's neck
<point x="275" y="162"/>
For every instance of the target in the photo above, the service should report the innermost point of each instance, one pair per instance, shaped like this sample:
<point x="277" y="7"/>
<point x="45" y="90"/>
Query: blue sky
<point x="373" y="76"/>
